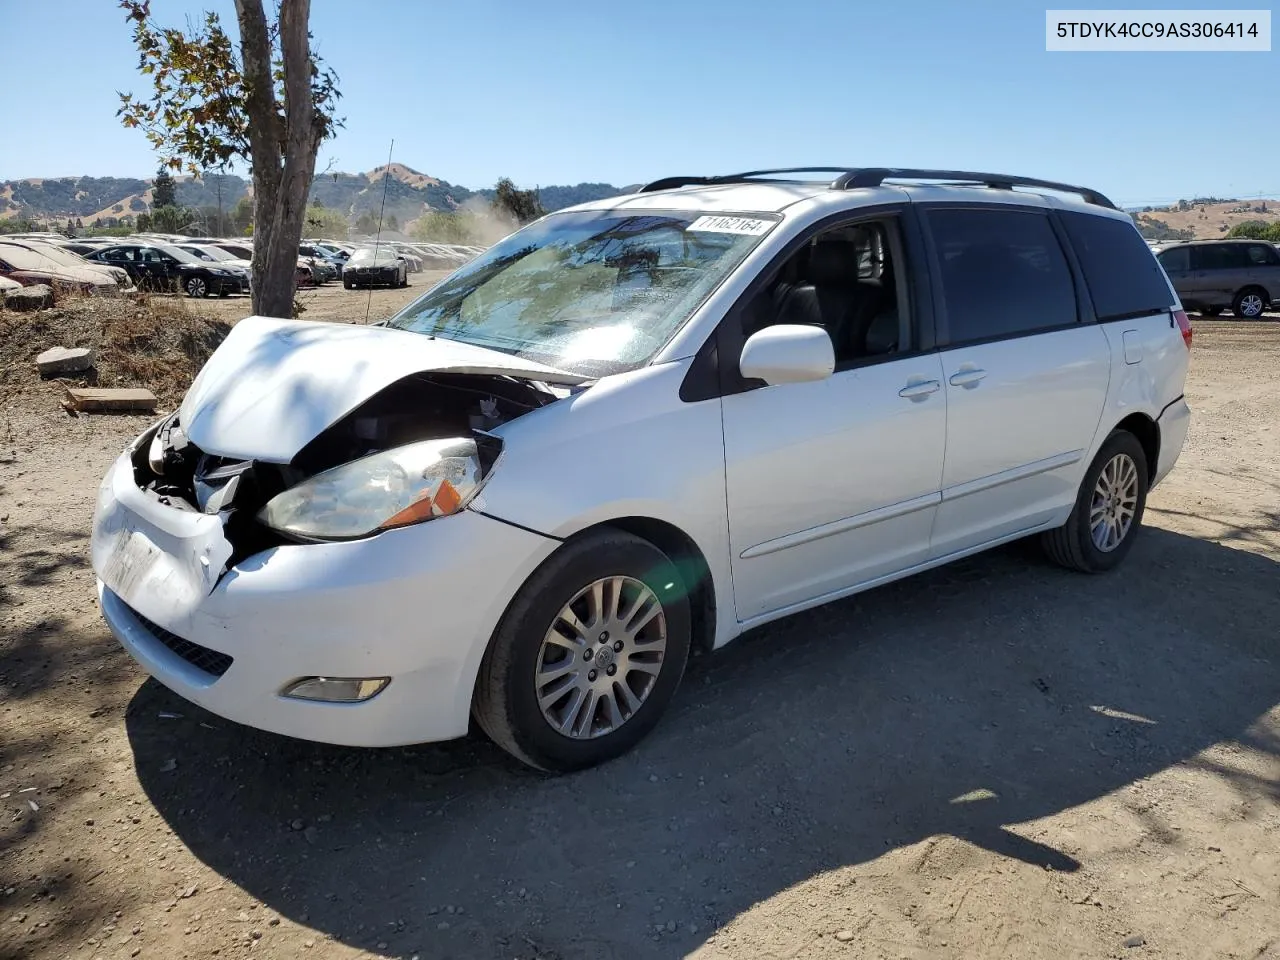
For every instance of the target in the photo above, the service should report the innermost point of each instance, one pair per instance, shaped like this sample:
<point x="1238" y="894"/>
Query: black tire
<point x="505" y="702"/>
<point x="347" y="284"/>
<point x="197" y="287"/>
<point x="1072" y="545"/>
<point x="1211" y="311"/>
<point x="1250" y="303"/>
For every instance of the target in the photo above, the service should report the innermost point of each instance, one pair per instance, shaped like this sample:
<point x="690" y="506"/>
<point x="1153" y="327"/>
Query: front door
<point x="834" y="483"/>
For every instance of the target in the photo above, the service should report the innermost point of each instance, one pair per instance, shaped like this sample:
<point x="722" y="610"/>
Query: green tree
<point x="171" y="219"/>
<point x="268" y="102"/>
<point x="323" y="222"/>
<point x="367" y="223"/>
<point x="143" y="223"/>
<point x="242" y="216"/>
<point x="1256" y="230"/>
<point x="522" y="206"/>
<point x="443" y="227"/>
<point x="392" y="222"/>
<point x="164" y="192"/>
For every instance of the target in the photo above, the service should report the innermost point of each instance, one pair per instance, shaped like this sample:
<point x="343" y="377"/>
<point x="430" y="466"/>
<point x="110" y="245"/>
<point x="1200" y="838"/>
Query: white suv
<point x="635" y="428"/>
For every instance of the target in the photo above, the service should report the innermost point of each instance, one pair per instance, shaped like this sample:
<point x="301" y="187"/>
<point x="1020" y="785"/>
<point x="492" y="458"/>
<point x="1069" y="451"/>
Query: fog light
<point x="337" y="689"/>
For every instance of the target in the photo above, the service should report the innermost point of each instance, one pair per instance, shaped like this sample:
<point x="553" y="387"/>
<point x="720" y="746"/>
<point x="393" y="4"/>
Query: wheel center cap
<point x="604" y="657"/>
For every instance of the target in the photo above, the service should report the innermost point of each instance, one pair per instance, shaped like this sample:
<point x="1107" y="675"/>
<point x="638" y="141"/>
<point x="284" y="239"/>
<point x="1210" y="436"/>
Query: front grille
<point x="202" y="658"/>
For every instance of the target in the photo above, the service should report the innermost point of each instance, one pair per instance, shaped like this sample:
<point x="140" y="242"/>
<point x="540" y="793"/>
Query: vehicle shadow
<point x="961" y="702"/>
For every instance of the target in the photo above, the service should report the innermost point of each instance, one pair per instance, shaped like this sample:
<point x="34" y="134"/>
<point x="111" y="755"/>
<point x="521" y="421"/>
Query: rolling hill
<point x="409" y="194"/>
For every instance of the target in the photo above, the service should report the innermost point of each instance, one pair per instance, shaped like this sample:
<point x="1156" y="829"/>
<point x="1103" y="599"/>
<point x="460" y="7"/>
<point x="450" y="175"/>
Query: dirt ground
<point x="332" y="302"/>
<point x="997" y="759"/>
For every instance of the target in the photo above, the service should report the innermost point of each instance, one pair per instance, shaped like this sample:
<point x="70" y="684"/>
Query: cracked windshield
<point x="590" y="293"/>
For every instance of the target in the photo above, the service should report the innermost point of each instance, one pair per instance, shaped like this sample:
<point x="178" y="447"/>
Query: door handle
<point x="967" y="378"/>
<point x="920" y="389"/>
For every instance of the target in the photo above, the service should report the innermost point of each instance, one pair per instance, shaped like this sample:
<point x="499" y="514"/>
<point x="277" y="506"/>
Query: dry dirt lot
<point x="999" y="759"/>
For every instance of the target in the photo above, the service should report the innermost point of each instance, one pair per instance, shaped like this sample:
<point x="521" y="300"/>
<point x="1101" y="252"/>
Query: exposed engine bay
<point x="170" y="467"/>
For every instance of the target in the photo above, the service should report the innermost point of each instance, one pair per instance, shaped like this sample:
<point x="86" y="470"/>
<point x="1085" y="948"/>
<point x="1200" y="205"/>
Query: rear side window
<point x="1176" y="259"/>
<point x="1003" y="273"/>
<point x="1119" y="270"/>
<point x="1262" y="255"/>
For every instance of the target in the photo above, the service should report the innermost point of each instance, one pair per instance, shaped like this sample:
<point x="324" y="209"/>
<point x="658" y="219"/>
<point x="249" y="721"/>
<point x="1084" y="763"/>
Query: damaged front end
<point x="419" y="448"/>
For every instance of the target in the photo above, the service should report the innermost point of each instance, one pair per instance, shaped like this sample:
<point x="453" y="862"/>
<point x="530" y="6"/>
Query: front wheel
<point x="1249" y="303"/>
<point x="197" y="287"/>
<point x="1108" y="512"/>
<point x="588" y="654"/>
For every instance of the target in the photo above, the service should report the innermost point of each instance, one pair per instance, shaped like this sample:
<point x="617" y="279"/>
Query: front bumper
<point x="220" y="285"/>
<point x="416" y="604"/>
<point x="380" y="275"/>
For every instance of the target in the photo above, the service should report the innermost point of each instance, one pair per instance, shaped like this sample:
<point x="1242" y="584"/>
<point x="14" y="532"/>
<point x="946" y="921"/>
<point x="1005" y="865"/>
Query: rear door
<point x="1025" y="377"/>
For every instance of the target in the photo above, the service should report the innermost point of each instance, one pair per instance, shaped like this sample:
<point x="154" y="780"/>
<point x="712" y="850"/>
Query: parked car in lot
<point x="636" y="427"/>
<point x="164" y="267"/>
<point x="320" y="257"/>
<point x="71" y="261"/>
<point x="27" y="265"/>
<point x="375" y="266"/>
<point x="214" y="254"/>
<point x="413" y="260"/>
<point x="1213" y="275"/>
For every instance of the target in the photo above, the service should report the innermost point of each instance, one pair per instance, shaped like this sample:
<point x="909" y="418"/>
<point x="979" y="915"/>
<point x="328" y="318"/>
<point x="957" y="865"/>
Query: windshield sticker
<point x="749" y="226"/>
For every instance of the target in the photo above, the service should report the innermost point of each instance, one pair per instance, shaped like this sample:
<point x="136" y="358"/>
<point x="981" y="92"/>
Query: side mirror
<point x="788" y="353"/>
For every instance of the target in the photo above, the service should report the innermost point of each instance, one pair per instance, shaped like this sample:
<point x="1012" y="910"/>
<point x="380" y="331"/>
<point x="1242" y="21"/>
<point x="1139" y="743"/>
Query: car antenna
<point x="386" y="175"/>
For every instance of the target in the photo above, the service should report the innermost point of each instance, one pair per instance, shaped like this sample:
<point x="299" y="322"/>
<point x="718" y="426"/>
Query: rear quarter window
<point x="1123" y="277"/>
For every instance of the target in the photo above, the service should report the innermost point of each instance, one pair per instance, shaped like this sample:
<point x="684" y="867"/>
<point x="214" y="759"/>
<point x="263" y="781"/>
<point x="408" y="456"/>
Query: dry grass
<point x="139" y="341"/>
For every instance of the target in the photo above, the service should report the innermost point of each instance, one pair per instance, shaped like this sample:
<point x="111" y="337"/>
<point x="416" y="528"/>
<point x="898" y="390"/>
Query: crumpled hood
<point x="274" y="385"/>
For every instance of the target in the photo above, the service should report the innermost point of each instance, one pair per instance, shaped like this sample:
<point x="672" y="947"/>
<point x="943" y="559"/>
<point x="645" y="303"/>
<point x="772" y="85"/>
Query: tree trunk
<point x="280" y="185"/>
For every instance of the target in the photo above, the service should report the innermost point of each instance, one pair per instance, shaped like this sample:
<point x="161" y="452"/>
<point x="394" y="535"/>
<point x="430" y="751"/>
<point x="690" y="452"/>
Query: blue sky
<point x="569" y="91"/>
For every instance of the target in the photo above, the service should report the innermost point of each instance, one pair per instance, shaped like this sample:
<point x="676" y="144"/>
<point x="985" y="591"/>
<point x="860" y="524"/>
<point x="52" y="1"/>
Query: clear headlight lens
<point x="394" y="488"/>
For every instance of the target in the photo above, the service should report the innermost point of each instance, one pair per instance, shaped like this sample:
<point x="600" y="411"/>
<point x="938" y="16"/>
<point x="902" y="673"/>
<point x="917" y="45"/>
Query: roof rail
<point x="671" y="183"/>
<point x="850" y="178"/>
<point x="874" y="176"/>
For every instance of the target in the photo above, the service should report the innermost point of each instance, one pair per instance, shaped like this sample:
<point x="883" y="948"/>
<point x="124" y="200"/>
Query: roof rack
<point x="851" y="178"/>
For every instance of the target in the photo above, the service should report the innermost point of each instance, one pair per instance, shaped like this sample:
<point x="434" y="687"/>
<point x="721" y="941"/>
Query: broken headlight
<point x="393" y="488"/>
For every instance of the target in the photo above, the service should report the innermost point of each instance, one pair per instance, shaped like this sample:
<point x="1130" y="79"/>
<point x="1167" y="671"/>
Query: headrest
<point x="832" y="264"/>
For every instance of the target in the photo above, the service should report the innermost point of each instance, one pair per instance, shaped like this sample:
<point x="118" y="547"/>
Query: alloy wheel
<point x="601" y="657"/>
<point x="1251" y="305"/>
<point x="1114" y="502"/>
<point x="196" y="287"/>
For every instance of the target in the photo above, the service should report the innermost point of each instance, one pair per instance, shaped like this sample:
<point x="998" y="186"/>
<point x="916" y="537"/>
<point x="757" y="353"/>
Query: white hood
<point x="274" y="385"/>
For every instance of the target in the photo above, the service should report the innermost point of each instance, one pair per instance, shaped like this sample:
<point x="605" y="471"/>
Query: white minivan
<point x="634" y="428"/>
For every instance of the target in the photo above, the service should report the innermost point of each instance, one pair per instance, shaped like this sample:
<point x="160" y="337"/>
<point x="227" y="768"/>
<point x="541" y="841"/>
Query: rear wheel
<point x="1108" y="512"/>
<point x="587" y="656"/>
<point x="1250" y="303"/>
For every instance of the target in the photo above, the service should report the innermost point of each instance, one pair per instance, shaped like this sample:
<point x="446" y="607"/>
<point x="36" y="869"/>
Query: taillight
<point x="1184" y="325"/>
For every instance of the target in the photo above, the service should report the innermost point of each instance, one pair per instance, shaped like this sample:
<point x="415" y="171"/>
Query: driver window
<point x="843" y="280"/>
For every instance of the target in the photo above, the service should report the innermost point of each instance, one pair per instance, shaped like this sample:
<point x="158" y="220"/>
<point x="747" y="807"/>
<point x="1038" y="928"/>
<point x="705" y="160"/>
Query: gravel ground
<point x="994" y="759"/>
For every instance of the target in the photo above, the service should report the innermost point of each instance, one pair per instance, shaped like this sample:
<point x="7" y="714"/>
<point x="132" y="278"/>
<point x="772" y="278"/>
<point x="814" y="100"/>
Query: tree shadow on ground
<point x="963" y="702"/>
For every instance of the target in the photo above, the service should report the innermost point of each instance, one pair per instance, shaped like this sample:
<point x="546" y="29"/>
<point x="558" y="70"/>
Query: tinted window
<point x="1220" y="256"/>
<point x="1260" y="253"/>
<point x="1119" y="270"/>
<point x="1003" y="273"/>
<point x="1179" y="258"/>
